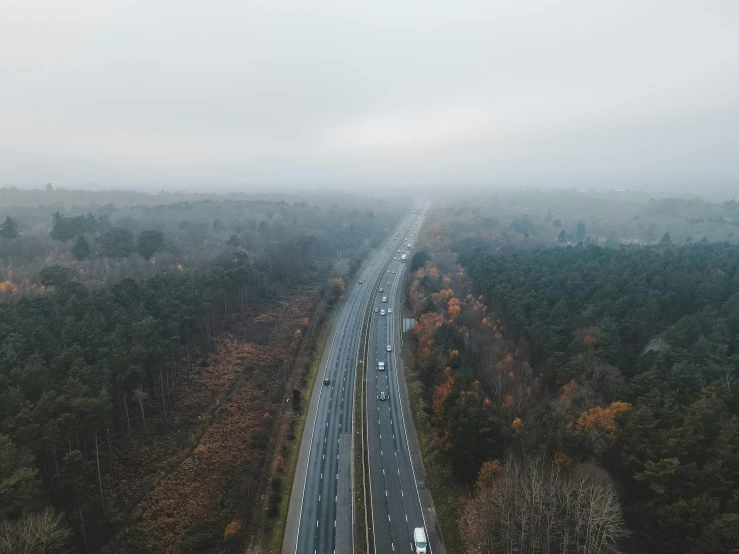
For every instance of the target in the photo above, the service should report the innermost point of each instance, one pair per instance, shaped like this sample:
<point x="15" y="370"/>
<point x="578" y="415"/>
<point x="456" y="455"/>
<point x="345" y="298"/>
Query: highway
<point x="320" y="515"/>
<point x="400" y="500"/>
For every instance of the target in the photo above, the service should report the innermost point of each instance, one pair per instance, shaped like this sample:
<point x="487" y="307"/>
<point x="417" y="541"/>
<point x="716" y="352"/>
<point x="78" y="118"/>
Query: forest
<point x="128" y="334"/>
<point x="98" y="242"/>
<point x="584" y="395"/>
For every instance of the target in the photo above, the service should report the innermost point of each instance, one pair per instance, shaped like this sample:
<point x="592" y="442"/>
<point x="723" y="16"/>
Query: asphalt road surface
<point x="320" y="516"/>
<point x="400" y="500"/>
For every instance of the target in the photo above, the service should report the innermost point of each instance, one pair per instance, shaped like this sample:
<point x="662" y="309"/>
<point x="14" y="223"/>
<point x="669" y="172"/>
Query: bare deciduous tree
<point x="39" y="533"/>
<point x="531" y="505"/>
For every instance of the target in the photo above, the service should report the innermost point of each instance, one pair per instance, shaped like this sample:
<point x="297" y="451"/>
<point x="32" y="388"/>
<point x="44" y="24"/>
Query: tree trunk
<point x="100" y="477"/>
<point x="139" y="397"/>
<point x="164" y="400"/>
<point x="110" y="452"/>
<point x="56" y="462"/>
<point x="82" y="525"/>
<point x="128" y="419"/>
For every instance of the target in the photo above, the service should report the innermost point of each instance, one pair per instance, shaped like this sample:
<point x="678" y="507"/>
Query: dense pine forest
<point x="124" y="329"/>
<point x="584" y="396"/>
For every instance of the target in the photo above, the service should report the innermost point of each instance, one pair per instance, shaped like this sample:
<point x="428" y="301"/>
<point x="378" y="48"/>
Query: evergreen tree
<point x="9" y="228"/>
<point x="54" y="276"/>
<point x="20" y="485"/>
<point x="419" y="259"/>
<point x="118" y="242"/>
<point x="580" y="232"/>
<point x="150" y="242"/>
<point x="81" y="248"/>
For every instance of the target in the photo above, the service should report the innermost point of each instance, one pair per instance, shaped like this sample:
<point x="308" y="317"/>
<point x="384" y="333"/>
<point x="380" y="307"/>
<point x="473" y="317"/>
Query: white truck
<point x="419" y="540"/>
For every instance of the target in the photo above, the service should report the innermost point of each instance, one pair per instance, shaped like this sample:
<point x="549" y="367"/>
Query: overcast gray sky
<point x="184" y="93"/>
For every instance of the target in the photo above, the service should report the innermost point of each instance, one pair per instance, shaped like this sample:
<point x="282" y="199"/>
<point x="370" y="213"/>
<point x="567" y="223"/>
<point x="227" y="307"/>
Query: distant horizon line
<point x="709" y="194"/>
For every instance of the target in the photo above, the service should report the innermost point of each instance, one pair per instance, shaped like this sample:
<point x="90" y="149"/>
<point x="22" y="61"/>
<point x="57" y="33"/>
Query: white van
<point x="419" y="540"/>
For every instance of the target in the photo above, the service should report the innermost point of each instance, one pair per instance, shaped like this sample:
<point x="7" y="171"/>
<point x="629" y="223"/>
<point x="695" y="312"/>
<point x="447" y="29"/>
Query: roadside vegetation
<point x="581" y="387"/>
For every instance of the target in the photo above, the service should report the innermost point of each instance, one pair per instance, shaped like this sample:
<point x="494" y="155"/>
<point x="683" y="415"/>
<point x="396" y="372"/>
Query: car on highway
<point x="393" y="273"/>
<point x="360" y="281"/>
<point x="381" y="289"/>
<point x="382" y="312"/>
<point x="326" y="381"/>
<point x="389" y="348"/>
<point x="377" y="310"/>
<point x="383" y="396"/>
<point x="389" y="310"/>
<point x="395" y="257"/>
<point x="419" y="540"/>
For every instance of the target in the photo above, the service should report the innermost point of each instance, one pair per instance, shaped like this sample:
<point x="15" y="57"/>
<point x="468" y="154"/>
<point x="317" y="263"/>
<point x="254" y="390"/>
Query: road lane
<point x="320" y="515"/>
<point x="397" y="505"/>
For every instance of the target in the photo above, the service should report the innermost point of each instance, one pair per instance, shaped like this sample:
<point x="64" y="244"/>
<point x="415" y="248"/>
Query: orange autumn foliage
<point x="337" y="286"/>
<point x="455" y="307"/>
<point x="488" y="472"/>
<point x="601" y="420"/>
<point x="441" y="394"/>
<point x="508" y="402"/>
<point x="425" y="329"/>
<point x="8" y="286"/>
<point x="567" y="391"/>
<point x="232" y="529"/>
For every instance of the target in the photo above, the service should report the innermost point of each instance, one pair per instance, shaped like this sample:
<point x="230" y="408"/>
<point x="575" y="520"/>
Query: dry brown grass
<point x="227" y="429"/>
